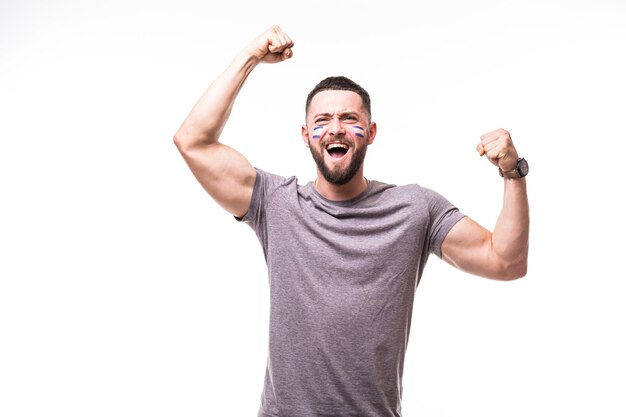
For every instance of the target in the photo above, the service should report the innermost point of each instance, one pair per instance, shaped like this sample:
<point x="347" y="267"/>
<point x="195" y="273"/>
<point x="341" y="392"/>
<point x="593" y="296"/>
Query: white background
<point x="126" y="291"/>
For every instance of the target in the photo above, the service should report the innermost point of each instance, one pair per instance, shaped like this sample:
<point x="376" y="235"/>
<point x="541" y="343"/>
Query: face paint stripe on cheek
<point x="359" y="131"/>
<point x="317" y="132"/>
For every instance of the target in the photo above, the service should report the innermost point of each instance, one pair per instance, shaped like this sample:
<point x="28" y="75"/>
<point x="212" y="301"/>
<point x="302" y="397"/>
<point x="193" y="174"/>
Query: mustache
<point x="341" y="140"/>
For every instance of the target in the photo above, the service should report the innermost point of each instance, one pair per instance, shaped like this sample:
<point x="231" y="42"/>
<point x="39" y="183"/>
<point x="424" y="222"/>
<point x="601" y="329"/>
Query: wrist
<point x="246" y="60"/>
<point x="519" y="171"/>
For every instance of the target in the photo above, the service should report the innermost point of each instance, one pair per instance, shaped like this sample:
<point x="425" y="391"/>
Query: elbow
<point x="514" y="271"/>
<point x="181" y="142"/>
<point x="187" y="143"/>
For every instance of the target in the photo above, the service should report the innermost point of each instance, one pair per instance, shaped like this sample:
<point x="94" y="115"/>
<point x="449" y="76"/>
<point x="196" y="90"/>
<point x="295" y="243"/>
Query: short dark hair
<point x="340" y="83"/>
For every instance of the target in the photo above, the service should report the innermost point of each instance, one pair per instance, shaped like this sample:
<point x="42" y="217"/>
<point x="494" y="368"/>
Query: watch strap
<point x="514" y="173"/>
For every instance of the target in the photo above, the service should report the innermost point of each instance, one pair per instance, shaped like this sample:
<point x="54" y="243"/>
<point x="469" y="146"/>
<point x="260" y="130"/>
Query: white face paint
<point x="359" y="131"/>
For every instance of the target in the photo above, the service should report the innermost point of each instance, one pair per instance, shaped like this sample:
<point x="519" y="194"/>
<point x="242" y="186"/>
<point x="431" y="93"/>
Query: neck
<point x="347" y="191"/>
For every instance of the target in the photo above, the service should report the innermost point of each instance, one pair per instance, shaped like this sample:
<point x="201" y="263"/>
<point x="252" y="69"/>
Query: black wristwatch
<point x="520" y="171"/>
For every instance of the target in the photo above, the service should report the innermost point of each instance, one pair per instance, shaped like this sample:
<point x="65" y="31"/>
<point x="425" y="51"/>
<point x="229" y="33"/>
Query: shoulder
<point x="426" y="194"/>
<point x="266" y="187"/>
<point x="268" y="181"/>
<point x="407" y="198"/>
<point x="410" y="192"/>
<point x="419" y="199"/>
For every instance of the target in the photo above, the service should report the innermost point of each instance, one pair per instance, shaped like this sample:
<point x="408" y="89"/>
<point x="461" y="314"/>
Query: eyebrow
<point x="341" y="114"/>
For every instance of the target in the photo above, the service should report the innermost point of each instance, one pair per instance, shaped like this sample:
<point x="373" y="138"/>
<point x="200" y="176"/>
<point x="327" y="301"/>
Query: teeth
<point x="336" y="145"/>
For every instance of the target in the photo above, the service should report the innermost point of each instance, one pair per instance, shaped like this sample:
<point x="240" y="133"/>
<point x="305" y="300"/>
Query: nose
<point x="335" y="127"/>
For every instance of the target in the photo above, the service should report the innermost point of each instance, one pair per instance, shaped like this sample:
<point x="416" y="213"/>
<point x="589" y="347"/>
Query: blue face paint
<point x="359" y="131"/>
<point x="317" y="132"/>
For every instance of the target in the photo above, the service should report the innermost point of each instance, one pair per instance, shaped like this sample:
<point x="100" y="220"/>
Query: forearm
<point x="510" y="235"/>
<point x="204" y="124"/>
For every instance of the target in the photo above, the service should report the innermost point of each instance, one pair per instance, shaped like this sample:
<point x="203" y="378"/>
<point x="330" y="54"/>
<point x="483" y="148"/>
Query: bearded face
<point x="337" y="133"/>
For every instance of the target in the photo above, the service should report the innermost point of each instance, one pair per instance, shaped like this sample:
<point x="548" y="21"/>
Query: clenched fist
<point x="271" y="46"/>
<point x="499" y="149"/>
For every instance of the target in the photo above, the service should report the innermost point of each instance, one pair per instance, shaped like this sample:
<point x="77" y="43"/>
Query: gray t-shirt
<point x="342" y="278"/>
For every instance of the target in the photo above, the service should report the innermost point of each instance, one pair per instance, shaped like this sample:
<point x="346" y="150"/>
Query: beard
<point x="339" y="176"/>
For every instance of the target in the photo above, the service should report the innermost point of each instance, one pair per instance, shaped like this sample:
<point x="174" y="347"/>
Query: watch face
<point x="522" y="167"/>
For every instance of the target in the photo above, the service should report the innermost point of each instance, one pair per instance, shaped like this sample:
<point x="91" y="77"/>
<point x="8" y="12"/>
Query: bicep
<point x="467" y="246"/>
<point x="225" y="174"/>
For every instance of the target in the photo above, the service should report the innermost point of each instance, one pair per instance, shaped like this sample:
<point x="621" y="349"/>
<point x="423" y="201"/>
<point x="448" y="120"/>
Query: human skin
<point x="229" y="177"/>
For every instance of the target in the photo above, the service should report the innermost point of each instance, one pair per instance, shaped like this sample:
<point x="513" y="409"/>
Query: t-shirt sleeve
<point x="264" y="185"/>
<point x="444" y="215"/>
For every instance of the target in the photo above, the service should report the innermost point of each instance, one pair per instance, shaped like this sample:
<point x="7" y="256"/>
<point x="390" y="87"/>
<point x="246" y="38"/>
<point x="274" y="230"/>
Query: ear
<point x="305" y="135"/>
<point x="373" y="130"/>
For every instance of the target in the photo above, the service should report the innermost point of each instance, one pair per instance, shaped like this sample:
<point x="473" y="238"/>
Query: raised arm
<point x="223" y="172"/>
<point x="503" y="253"/>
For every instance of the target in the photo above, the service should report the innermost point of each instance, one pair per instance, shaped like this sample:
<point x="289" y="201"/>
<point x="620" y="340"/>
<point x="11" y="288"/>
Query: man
<point x="344" y="253"/>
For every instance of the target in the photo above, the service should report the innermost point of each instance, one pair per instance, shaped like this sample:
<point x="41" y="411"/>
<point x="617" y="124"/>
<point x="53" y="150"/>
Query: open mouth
<point x="337" y="150"/>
